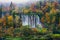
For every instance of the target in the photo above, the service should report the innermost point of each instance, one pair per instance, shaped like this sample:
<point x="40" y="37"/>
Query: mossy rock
<point x="16" y="38"/>
<point x="43" y="38"/>
<point x="43" y="31"/>
<point x="55" y="36"/>
<point x="8" y="39"/>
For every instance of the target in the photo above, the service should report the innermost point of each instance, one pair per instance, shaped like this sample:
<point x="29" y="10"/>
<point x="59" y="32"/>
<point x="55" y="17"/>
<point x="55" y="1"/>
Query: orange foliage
<point x="4" y="20"/>
<point x="47" y="17"/>
<point x="10" y="31"/>
<point x="0" y="20"/>
<point x="34" y="29"/>
<point x="32" y="8"/>
<point x="42" y="19"/>
<point x="53" y="20"/>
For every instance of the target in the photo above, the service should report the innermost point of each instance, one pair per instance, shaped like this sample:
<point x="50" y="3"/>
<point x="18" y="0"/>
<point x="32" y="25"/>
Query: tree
<point x="1" y="11"/>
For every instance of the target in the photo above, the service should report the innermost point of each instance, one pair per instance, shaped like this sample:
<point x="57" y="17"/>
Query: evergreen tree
<point x="1" y="11"/>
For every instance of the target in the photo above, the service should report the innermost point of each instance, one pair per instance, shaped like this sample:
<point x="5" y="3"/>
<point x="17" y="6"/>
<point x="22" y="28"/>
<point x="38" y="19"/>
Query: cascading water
<point x="38" y="23"/>
<point x="24" y="20"/>
<point x="31" y="20"/>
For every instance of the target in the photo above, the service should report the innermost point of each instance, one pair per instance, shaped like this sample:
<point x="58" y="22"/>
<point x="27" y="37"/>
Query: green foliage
<point x="55" y="36"/>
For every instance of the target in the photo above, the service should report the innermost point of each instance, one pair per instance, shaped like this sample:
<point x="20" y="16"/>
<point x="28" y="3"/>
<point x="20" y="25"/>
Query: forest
<point x="38" y="21"/>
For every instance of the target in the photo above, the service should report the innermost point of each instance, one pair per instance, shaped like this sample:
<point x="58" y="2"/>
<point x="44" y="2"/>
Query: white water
<point x="30" y="20"/>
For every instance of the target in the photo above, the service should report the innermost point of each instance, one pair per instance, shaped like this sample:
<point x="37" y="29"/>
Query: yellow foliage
<point x="53" y="20"/>
<point x="48" y="19"/>
<point x="44" y="30"/>
<point x="10" y="18"/>
<point x="37" y="10"/>
<point x="4" y="20"/>
<point x="45" y="7"/>
<point x="34" y="29"/>
<point x="47" y="15"/>
<point x="53" y="5"/>
<point x="17" y="19"/>
<point x="1" y="20"/>
<point x="50" y="5"/>
<point x="26" y="10"/>
<point x="10" y="31"/>
<point x="53" y="11"/>
<point x="42" y="19"/>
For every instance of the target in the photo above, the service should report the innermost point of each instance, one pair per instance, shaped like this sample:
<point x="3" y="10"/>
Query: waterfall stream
<point x="31" y="20"/>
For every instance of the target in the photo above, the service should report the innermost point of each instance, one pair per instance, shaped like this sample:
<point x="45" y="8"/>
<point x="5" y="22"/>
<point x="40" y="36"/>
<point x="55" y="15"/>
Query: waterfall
<point x="24" y="20"/>
<point x="38" y="22"/>
<point x="31" y="20"/>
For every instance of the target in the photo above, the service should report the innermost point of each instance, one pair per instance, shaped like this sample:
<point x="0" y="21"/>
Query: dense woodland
<point x="43" y="21"/>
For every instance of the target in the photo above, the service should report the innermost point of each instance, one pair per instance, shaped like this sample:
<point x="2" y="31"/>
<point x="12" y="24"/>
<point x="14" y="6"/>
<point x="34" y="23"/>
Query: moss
<point x="55" y="36"/>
